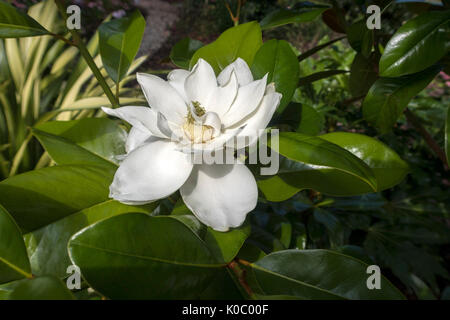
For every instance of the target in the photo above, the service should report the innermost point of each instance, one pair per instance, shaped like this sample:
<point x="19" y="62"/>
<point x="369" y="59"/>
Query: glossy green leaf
<point x="15" y="24"/>
<point x="183" y="51"/>
<point x="250" y="252"/>
<point x="223" y="286"/>
<point x="47" y="246"/>
<point x="276" y="58"/>
<point x="223" y="245"/>
<point x="318" y="274"/>
<point x="14" y="262"/>
<point x="387" y="166"/>
<point x="388" y="97"/>
<point x="226" y="245"/>
<point x="284" y="16"/>
<point x="363" y="73"/>
<point x="94" y="141"/>
<point x="315" y="151"/>
<point x="276" y="189"/>
<point x="417" y="45"/>
<point x="37" y="198"/>
<point x="119" y="42"/>
<point x="40" y="288"/>
<point x="135" y="256"/>
<point x="242" y="41"/>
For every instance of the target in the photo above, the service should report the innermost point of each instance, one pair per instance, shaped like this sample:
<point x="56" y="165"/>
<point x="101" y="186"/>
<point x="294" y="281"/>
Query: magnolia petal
<point x="224" y="96"/>
<point x="220" y="196"/>
<point x="162" y="97"/>
<point x="143" y="118"/>
<point x="260" y="118"/>
<point x="136" y="137"/>
<point x="170" y="130"/>
<point x="176" y="79"/>
<point x="247" y="99"/>
<point x="212" y="120"/>
<point x="201" y="84"/>
<point x="240" y="67"/>
<point x="151" y="172"/>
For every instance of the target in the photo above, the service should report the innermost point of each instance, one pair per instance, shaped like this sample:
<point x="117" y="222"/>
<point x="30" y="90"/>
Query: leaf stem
<point x="78" y="42"/>
<point x="416" y="123"/>
<point x="61" y="37"/>
<point x="235" y="18"/>
<point x="240" y="274"/>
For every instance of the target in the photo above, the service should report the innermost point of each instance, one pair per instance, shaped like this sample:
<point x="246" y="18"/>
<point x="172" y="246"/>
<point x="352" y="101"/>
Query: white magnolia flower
<point x="199" y="110"/>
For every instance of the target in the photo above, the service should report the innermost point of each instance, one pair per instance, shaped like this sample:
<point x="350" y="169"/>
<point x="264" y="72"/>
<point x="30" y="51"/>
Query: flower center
<point x="193" y="127"/>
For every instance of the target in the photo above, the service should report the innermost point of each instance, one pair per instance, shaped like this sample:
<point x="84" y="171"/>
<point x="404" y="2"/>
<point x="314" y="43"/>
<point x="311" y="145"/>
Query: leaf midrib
<point x="15" y="268"/>
<point x="80" y="244"/>
<point x="296" y="281"/>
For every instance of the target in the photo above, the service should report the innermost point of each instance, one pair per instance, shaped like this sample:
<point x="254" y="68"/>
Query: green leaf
<point x="360" y="37"/>
<point x="417" y="45"/>
<point x="388" y="97"/>
<point x="242" y="41"/>
<point x="135" y="256"/>
<point x="183" y="51"/>
<point x="284" y="16"/>
<point x="119" y="42"/>
<point x="276" y="58"/>
<point x="318" y="152"/>
<point x="226" y="245"/>
<point x="91" y="141"/>
<point x="47" y="246"/>
<point x="250" y="252"/>
<point x="447" y="136"/>
<point x="37" y="198"/>
<point x="41" y="288"/>
<point x="14" y="262"/>
<point x="387" y="166"/>
<point x="302" y="118"/>
<point x="223" y="245"/>
<point x="363" y="73"/>
<point x="311" y="121"/>
<point x="318" y="274"/>
<point x="15" y="24"/>
<point x="276" y="189"/>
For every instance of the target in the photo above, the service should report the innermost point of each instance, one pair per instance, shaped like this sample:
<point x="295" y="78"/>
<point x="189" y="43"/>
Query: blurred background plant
<point x="41" y="79"/>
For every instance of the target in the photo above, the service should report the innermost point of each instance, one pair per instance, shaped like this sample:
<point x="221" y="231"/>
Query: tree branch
<point x="414" y="121"/>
